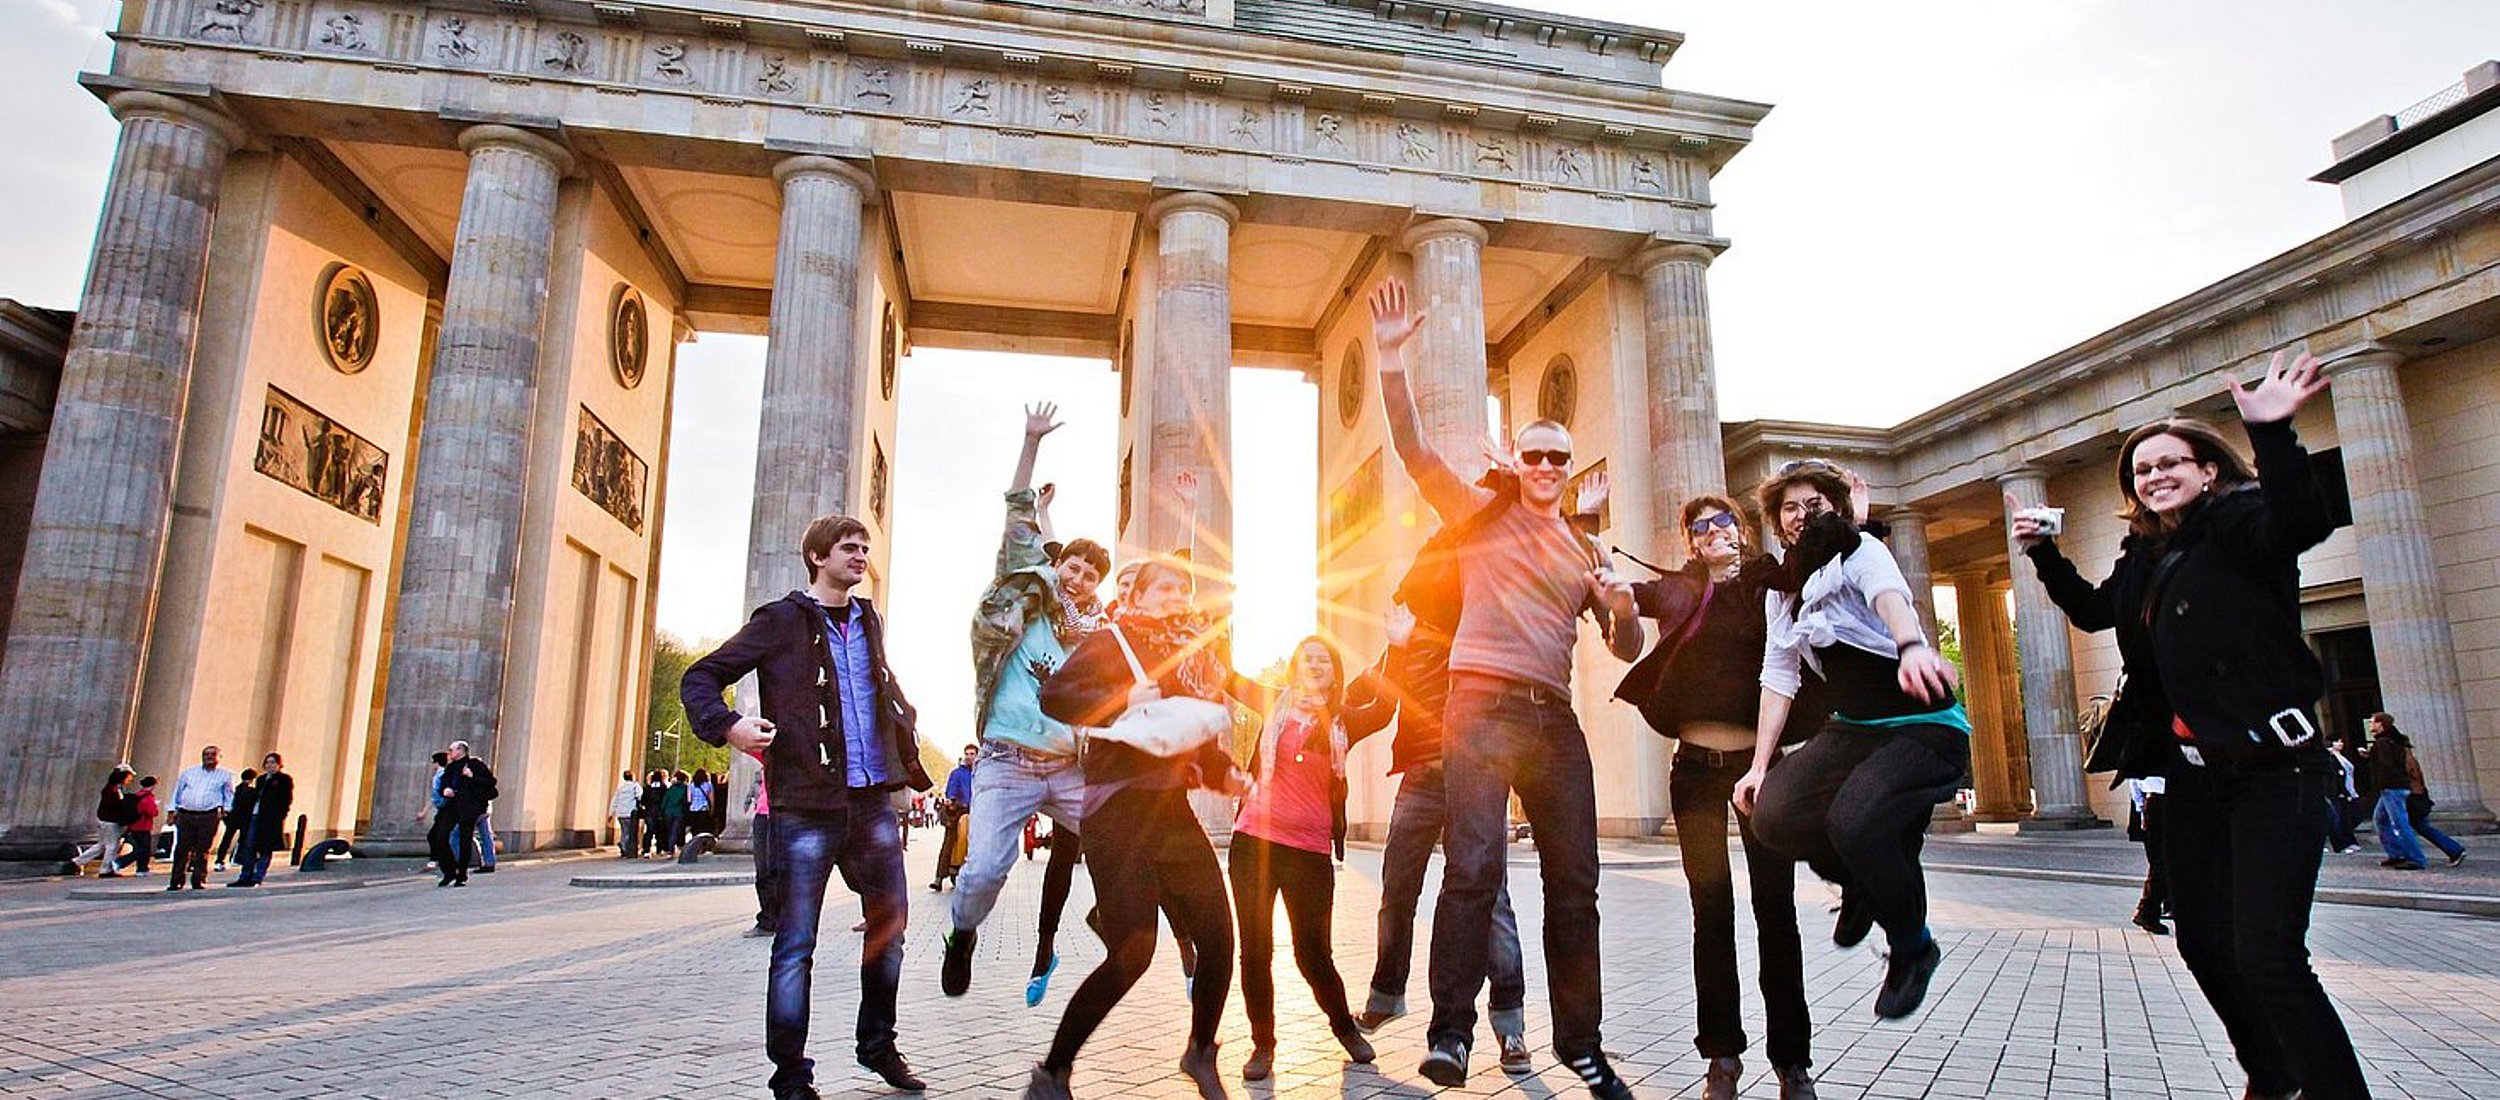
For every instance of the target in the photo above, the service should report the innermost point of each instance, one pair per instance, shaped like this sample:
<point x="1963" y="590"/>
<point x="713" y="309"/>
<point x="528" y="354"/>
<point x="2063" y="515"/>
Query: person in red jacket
<point x="141" y="835"/>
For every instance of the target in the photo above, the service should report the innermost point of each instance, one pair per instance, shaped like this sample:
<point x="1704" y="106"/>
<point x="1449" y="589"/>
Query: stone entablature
<point x="1221" y="110"/>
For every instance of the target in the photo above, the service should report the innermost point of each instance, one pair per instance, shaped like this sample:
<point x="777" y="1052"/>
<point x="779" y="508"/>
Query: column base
<point x="2468" y="818"/>
<point x="2061" y="823"/>
<point x="42" y="843"/>
<point x="1946" y="818"/>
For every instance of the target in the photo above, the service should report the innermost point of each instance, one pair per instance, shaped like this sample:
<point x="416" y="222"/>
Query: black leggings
<point x="1146" y="849"/>
<point x="1261" y="870"/>
<point x="1854" y="802"/>
<point x="1067" y="849"/>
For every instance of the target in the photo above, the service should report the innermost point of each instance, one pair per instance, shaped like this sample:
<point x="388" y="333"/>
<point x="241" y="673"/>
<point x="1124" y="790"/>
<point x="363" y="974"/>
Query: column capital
<point x="497" y="136"/>
<point x="791" y="168"/>
<point x="1672" y="252"/>
<point x="196" y="114"/>
<point x="2024" y="476"/>
<point x="2367" y="357"/>
<point x="1898" y="516"/>
<point x="1193" y="201"/>
<point x="1425" y="232"/>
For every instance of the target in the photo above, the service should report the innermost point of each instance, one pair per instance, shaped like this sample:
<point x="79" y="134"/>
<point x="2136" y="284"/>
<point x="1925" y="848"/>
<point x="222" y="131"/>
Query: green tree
<point x="670" y="657"/>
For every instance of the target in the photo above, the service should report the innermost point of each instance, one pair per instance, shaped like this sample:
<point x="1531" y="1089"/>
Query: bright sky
<point x="1946" y="191"/>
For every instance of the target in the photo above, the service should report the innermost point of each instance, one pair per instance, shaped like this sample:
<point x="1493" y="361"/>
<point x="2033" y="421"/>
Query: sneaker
<point x="108" y="874"/>
<point x="487" y="869"/>
<point x="1719" y="1082"/>
<point x="1599" y="1076"/>
<point x="759" y="932"/>
<point x="2405" y="865"/>
<point x="955" y="973"/>
<point x="170" y="887"/>
<point x="1045" y="1084"/>
<point x="1446" y="1064"/>
<point x="1370" y="1021"/>
<point x="2456" y="857"/>
<point x="1905" y="981"/>
<point x="1516" y="1060"/>
<point x="890" y="1065"/>
<point x="1796" y="1082"/>
<point x="1261" y="1066"/>
<point x="1198" y="1064"/>
<point x="1854" y="923"/>
<point x="2348" y="849"/>
<point x="1358" y="1049"/>
<point x="1038" y="985"/>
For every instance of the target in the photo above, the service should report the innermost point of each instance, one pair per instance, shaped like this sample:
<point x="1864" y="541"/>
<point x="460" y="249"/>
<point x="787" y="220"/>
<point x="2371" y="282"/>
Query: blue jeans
<point x="1504" y="735"/>
<point x="1416" y="823"/>
<point x="1010" y="785"/>
<point x="474" y="839"/>
<point x="2418" y="815"/>
<point x="861" y="841"/>
<point x="2395" y="829"/>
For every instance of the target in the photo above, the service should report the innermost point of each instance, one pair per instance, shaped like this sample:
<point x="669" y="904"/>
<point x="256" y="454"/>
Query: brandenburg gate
<point x="361" y="430"/>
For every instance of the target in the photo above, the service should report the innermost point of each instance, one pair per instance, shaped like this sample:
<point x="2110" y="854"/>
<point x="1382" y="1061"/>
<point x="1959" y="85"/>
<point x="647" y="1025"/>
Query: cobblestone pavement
<point x="524" y="986"/>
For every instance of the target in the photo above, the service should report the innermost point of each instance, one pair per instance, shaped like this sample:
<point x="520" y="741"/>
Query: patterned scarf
<point x="1187" y="639"/>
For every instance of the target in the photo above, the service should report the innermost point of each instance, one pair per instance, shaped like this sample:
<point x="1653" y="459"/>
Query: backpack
<point x="1432" y="587"/>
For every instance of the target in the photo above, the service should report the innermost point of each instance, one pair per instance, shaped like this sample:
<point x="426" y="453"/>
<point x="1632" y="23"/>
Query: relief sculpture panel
<point x="310" y="451"/>
<point x="609" y="472"/>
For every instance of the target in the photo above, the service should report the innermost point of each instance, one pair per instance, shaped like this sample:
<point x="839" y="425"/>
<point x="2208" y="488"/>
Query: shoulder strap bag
<point x="1164" y="727"/>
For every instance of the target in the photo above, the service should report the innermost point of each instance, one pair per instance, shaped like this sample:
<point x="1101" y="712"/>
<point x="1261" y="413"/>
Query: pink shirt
<point x="1293" y="807"/>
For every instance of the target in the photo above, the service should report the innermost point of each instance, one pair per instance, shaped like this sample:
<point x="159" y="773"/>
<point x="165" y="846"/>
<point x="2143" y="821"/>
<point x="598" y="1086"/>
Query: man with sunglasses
<point x="1525" y="578"/>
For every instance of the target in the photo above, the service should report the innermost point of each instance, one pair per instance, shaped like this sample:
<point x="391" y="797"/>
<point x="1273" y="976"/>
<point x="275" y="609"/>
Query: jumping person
<point x="1701" y="686"/>
<point x="837" y="737"/>
<point x="1525" y="578"/>
<point x="1854" y="799"/>
<point x="2205" y="599"/>
<point x="1038" y="606"/>
<point x="1143" y="842"/>
<point x="1281" y="845"/>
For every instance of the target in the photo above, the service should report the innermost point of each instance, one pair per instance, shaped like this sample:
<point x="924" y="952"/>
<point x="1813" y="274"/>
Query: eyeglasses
<point x="1795" y="465"/>
<point x="1810" y="506"/>
<point x="1560" y="460"/>
<point x="2162" y="465"/>
<point x="1702" y="526"/>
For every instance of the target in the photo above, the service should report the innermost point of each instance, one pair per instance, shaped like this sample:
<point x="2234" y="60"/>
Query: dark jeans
<point x="1146" y="849"/>
<point x="234" y="832"/>
<point x="1067" y="849"/>
<point x="859" y="840"/>
<point x="1261" y="870"/>
<point x="1504" y="735"/>
<point x="1854" y="801"/>
<point x="1416" y="822"/>
<point x="2341" y="815"/>
<point x="770" y="883"/>
<point x="2243" y="852"/>
<point x="627" y="835"/>
<point x="674" y="835"/>
<point x="2418" y="815"/>
<point x="1699" y="789"/>
<point x="444" y="840"/>
<point x="194" y="831"/>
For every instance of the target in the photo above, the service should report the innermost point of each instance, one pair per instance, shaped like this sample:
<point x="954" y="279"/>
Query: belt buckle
<point x="2189" y="753"/>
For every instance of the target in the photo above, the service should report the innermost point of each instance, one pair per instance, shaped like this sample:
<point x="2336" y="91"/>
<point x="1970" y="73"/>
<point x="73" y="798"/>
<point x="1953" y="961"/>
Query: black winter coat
<point x="2215" y="639"/>
<point x="270" y="810"/>
<point x="783" y="644"/>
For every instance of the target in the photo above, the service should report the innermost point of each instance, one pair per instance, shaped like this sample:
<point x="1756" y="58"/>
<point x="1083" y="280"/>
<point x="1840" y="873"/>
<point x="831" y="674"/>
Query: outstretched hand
<point x="1592" y="496"/>
<point x="1393" y="323"/>
<point x="2281" y="391"/>
<point x="1040" y="419"/>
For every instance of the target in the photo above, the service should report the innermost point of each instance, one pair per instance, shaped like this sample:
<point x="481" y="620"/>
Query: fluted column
<point x="1686" y="458"/>
<point x="1908" y="543"/>
<point x="2048" y="679"/>
<point x="86" y="596"/>
<point x="2409" y="631"/>
<point x="1998" y="762"/>
<point x="1446" y="366"/>
<point x="450" y="638"/>
<point x="1191" y="402"/>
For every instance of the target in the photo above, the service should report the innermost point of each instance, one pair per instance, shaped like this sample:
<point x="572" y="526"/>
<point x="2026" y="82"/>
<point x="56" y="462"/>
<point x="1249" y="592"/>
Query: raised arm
<point x="1393" y="324"/>
<point x="1039" y="420"/>
<point x="2295" y="517"/>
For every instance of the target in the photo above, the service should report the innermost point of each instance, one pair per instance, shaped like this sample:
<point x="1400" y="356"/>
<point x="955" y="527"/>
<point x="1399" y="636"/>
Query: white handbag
<point x="1164" y="727"/>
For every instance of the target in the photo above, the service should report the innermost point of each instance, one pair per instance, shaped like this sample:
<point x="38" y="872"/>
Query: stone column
<point x="450" y="638"/>
<point x="1191" y="401"/>
<point x="95" y="539"/>
<point x="1685" y="457"/>
<point x="2048" y="679"/>
<point x="1445" y="363"/>
<point x="1908" y="544"/>
<point x="2409" y="631"/>
<point x="806" y="445"/>
<point x="1998" y="762"/>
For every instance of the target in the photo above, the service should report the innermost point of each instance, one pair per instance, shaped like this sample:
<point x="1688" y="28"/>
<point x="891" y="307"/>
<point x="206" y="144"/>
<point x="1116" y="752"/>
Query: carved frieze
<point x="345" y="32"/>
<point x="229" y="21"/>
<point x="669" y="65"/>
<point x="319" y="457"/>
<point x="456" y="42"/>
<point x="565" y="53"/>
<point x="348" y="318"/>
<point x="609" y="472"/>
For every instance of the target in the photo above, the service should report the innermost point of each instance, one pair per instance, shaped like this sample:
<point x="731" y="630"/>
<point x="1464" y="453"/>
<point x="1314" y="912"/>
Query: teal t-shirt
<point x="1016" y="703"/>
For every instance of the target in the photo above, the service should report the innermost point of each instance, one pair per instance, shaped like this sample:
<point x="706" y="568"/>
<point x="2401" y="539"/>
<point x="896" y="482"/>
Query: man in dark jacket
<point x="836" y="737"/>
<point x="467" y="786"/>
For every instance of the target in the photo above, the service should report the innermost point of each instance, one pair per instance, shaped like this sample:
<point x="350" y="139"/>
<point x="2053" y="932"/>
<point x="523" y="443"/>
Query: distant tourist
<point x="115" y="809"/>
<point x="626" y="807"/>
<point x="246" y="796"/>
<point x="953" y="807"/>
<point x="141" y="836"/>
<point x="673" y="811"/>
<point x="202" y="795"/>
<point x="699" y="802"/>
<point x="2417" y="790"/>
<point x="655" y="814"/>
<point x="2344" y="806"/>
<point x="467" y="786"/>
<point x="266" y="832"/>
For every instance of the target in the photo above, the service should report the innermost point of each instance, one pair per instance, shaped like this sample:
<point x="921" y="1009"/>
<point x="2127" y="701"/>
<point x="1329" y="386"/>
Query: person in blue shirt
<point x="953" y="807"/>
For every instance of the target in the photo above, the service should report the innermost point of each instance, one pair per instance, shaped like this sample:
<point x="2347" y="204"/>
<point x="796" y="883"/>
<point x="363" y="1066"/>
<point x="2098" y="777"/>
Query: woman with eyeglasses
<point x="2205" y="599"/>
<point x="1854" y="799"/>
<point x="1700" y="686"/>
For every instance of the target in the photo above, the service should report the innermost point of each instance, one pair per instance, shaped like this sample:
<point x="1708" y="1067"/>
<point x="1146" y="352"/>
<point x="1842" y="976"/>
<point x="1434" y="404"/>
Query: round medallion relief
<point x="347" y="317"/>
<point x="889" y="346"/>
<point x="1558" y="393"/>
<point x="629" y="335"/>
<point x="1350" y="386"/>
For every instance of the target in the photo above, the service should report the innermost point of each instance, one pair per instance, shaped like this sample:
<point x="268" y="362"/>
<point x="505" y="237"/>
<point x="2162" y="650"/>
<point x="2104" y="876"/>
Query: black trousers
<point x="1146" y="851"/>
<point x="770" y="881"/>
<point x="1699" y="790"/>
<point x="2243" y="850"/>
<point x="1261" y="871"/>
<point x="1854" y="802"/>
<point x="194" y="832"/>
<point x="2156" y="900"/>
<point x="452" y="859"/>
<point x="1067" y="850"/>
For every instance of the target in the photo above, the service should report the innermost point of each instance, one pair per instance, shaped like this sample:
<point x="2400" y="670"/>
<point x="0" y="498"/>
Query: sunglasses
<point x="1560" y="460"/>
<point x="1795" y="465"/>
<point x="1702" y="526"/>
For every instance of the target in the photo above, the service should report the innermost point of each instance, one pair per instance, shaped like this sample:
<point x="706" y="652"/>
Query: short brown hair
<point x="822" y="533"/>
<point x="2203" y="440"/>
<point x="1727" y="504"/>
<point x="1828" y="478"/>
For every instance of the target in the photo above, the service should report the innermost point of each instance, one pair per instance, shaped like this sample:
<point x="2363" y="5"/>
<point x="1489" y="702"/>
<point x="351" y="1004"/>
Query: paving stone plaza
<point x="523" y="985"/>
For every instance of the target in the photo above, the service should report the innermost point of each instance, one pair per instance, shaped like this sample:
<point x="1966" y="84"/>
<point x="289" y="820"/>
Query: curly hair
<point x="1828" y="478"/>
